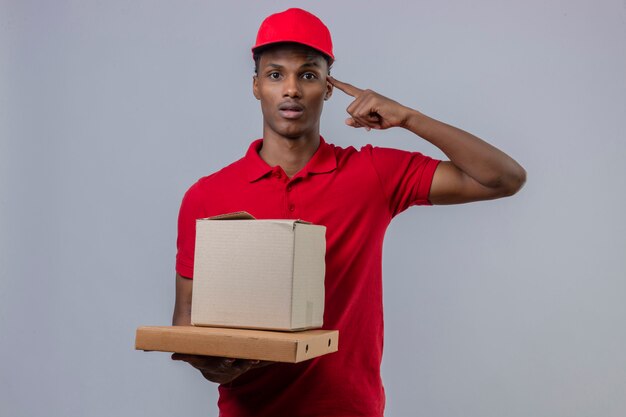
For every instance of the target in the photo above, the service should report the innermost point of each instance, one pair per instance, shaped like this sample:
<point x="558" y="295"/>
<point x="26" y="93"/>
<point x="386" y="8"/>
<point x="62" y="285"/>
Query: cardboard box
<point x="258" y="274"/>
<point x="238" y="343"/>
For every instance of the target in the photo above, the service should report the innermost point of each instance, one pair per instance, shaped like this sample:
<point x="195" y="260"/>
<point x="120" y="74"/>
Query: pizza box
<point x="290" y="347"/>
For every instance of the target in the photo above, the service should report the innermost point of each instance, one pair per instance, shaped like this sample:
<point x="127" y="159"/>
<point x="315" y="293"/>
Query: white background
<point x="109" y="110"/>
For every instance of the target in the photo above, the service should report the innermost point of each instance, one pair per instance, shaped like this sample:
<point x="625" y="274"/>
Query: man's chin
<point x="292" y="134"/>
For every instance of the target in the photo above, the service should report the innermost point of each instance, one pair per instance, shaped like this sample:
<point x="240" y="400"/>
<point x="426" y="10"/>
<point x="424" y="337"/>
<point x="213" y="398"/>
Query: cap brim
<point x="255" y="47"/>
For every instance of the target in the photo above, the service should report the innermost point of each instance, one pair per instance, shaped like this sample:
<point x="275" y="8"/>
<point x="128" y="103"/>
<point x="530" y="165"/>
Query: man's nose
<point x="292" y="87"/>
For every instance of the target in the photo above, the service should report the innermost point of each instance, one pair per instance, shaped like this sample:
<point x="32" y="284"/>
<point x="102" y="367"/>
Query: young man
<point x="292" y="172"/>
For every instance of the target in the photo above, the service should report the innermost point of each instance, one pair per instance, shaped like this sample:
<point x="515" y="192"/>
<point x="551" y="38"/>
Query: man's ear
<point x="255" y="86"/>
<point x="329" y="90"/>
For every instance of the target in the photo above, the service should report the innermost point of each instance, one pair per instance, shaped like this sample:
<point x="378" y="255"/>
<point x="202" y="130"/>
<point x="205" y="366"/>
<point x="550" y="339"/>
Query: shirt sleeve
<point x="405" y="176"/>
<point x="190" y="210"/>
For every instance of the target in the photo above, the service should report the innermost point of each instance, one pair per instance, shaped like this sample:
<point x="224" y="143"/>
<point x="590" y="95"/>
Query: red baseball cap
<point x="295" y="25"/>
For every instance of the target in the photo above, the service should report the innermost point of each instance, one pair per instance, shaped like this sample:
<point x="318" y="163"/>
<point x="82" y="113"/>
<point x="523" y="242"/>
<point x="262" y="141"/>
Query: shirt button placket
<point x="291" y="207"/>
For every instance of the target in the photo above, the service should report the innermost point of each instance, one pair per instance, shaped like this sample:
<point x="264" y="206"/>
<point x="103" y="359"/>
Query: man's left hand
<point x="371" y="110"/>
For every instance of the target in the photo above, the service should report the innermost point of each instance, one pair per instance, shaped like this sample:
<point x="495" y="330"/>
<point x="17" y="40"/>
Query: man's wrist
<point x="414" y="121"/>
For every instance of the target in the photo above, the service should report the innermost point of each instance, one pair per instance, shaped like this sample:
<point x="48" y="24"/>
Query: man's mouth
<point x="290" y="110"/>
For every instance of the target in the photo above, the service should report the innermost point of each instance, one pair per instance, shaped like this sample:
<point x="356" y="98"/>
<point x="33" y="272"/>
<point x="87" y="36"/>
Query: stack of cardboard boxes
<point x="258" y="290"/>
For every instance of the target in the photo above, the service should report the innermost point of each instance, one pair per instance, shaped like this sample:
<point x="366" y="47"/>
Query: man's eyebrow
<point x="309" y="63"/>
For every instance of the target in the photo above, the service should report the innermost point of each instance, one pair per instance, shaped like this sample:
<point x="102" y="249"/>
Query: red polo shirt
<point x="355" y="194"/>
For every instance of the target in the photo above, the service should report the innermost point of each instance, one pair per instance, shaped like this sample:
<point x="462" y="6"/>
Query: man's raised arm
<point x="476" y="170"/>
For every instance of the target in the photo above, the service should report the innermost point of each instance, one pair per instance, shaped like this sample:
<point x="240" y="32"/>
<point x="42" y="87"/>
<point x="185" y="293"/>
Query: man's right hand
<point x="218" y="369"/>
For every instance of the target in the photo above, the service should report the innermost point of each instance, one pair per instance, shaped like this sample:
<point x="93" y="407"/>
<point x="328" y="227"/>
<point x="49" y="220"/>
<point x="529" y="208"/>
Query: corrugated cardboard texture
<point x="238" y="343"/>
<point x="258" y="274"/>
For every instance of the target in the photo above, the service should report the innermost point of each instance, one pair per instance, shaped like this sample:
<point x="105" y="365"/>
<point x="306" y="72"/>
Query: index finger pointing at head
<point x="349" y="89"/>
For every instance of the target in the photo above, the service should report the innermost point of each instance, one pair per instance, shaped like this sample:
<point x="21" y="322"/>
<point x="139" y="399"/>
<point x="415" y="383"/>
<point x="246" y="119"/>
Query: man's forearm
<point x="181" y="317"/>
<point x="483" y="162"/>
<point x="182" y="305"/>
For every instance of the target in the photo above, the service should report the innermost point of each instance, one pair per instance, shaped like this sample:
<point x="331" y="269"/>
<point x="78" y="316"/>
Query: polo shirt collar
<point x="322" y="161"/>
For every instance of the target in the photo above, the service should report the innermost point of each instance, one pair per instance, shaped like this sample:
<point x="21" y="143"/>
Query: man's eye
<point x="309" y="76"/>
<point x="274" y="75"/>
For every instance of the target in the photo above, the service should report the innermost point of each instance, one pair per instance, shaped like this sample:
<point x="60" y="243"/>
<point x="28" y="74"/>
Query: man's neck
<point x="291" y="154"/>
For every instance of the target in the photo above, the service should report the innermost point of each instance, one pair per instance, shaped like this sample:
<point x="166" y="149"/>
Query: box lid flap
<point x="244" y="215"/>
<point x="237" y="215"/>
